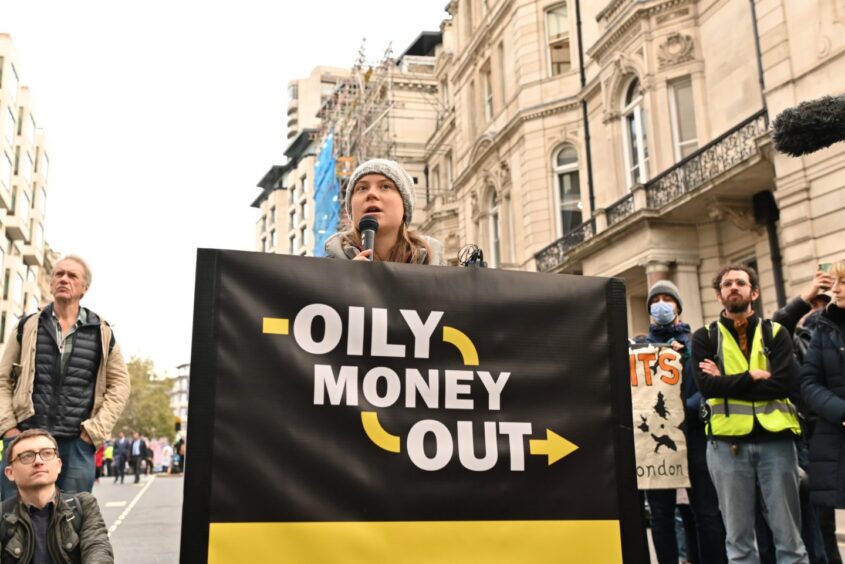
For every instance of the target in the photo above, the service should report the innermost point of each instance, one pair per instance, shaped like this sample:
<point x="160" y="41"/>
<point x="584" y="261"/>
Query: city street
<point x="143" y="519"/>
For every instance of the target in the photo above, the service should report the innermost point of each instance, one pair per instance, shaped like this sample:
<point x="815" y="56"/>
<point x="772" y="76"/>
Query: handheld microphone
<point x="368" y="225"/>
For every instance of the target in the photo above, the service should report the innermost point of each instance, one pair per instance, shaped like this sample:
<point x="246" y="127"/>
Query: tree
<point x="148" y="410"/>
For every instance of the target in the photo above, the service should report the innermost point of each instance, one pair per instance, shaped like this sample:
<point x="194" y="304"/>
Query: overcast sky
<point x="161" y="117"/>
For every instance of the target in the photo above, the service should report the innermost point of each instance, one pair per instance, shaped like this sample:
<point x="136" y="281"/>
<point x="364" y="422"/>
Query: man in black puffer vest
<point x="64" y="372"/>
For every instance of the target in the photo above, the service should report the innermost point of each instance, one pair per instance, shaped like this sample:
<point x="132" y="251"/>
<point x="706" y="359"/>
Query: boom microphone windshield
<point x="810" y="126"/>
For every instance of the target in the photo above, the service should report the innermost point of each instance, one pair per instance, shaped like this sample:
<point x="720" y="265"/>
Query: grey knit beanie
<point x="665" y="287"/>
<point x="393" y="171"/>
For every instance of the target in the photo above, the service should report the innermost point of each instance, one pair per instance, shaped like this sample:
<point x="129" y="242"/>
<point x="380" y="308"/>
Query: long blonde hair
<point x="408" y="248"/>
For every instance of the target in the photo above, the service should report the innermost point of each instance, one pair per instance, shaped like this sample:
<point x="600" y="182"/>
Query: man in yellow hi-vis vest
<point x="746" y="372"/>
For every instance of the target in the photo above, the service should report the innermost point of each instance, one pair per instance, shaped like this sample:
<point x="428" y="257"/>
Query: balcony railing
<point x="620" y="209"/>
<point x="717" y="157"/>
<point x="554" y="254"/>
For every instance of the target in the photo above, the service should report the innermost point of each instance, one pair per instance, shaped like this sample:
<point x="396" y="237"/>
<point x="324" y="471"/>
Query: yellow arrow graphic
<point x="554" y="446"/>
<point x="377" y="434"/>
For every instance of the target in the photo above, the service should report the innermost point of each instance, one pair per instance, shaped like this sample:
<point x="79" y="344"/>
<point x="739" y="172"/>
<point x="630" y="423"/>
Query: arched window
<point x="636" y="139"/>
<point x="567" y="190"/>
<point x="495" y="231"/>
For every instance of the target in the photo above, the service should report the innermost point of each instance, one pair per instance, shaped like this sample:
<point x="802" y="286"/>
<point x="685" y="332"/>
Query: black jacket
<point x="86" y="542"/>
<point x="823" y="388"/>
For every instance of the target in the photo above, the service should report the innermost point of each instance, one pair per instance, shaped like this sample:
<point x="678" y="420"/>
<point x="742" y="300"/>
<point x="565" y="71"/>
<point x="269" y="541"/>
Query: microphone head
<point x="810" y="126"/>
<point x="368" y="222"/>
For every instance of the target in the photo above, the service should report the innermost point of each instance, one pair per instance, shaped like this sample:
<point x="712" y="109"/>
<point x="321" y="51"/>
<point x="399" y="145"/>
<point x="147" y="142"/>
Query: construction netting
<point x="326" y="196"/>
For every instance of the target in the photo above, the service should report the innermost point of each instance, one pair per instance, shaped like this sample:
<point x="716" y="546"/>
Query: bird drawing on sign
<point x="644" y="425"/>
<point x="660" y="406"/>
<point x="663" y="440"/>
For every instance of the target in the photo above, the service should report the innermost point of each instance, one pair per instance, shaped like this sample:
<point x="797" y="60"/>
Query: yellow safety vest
<point x="733" y="417"/>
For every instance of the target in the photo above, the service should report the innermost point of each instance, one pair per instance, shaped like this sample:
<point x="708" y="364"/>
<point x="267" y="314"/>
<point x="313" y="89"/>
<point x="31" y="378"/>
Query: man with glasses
<point x="746" y="372"/>
<point x="42" y="524"/>
<point x="64" y="372"/>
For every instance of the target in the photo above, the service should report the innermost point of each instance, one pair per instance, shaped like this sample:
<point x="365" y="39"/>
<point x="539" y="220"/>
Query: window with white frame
<point x="472" y="108"/>
<point x="495" y="231"/>
<point x="6" y="170"/>
<point x="304" y="182"/>
<point x="272" y="240"/>
<point x="435" y="181"/>
<point x="23" y="207"/>
<point x="17" y="292"/>
<point x="568" y="190"/>
<point x="682" y="112"/>
<point x="273" y="215"/>
<point x="9" y="125"/>
<point x="449" y="171"/>
<point x="12" y="83"/>
<point x="557" y="35"/>
<point x="487" y="85"/>
<point x="635" y="137"/>
<point x="27" y="169"/>
<point x="444" y="92"/>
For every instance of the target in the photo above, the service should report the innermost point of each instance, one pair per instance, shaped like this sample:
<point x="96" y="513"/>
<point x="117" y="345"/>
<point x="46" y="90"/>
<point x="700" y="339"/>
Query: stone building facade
<point x="25" y="257"/>
<point x="631" y="139"/>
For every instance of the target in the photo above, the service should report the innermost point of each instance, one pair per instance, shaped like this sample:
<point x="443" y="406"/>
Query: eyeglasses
<point x="28" y="456"/>
<point x="739" y="283"/>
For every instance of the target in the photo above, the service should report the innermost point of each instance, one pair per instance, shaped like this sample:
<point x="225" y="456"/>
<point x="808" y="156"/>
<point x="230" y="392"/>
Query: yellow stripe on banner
<point x="417" y="542"/>
<point x="275" y="326"/>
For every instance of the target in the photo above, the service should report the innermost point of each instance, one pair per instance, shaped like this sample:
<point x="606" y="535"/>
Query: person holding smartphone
<point x="823" y="389"/>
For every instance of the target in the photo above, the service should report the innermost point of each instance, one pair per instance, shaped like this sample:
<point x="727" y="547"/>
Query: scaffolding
<point x="357" y="113"/>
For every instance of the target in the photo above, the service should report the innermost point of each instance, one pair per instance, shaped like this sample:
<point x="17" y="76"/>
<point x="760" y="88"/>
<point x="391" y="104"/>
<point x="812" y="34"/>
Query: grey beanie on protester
<point x="665" y="287"/>
<point x="393" y="171"/>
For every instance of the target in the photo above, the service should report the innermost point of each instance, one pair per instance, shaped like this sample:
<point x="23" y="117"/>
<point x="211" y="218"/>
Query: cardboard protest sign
<point x="344" y="411"/>
<point x="658" y="411"/>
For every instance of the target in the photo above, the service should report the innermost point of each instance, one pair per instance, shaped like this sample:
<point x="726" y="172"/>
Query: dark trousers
<point x="827" y="525"/>
<point x="703" y="499"/>
<point x="119" y="467"/>
<point x="136" y="467"/>
<point x="661" y="505"/>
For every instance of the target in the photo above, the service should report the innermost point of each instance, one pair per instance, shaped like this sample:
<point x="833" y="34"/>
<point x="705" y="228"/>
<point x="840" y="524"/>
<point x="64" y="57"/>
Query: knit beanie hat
<point x="393" y="171"/>
<point x="665" y="287"/>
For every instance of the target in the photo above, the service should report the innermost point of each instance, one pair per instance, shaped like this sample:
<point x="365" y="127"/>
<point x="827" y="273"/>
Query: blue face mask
<point x="663" y="312"/>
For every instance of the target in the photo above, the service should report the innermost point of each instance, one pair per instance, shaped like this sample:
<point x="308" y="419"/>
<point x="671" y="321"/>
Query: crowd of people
<point x="764" y="424"/>
<point x="140" y="454"/>
<point x="764" y="407"/>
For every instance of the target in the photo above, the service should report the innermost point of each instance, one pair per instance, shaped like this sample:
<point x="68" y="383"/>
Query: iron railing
<point x="708" y="162"/>
<point x="553" y="255"/>
<point x="715" y="158"/>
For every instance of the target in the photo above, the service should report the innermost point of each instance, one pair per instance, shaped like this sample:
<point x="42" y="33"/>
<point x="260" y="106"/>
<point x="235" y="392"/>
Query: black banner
<point x="346" y="411"/>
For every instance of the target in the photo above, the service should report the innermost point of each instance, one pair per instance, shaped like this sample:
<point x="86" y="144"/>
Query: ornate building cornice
<point x="612" y="37"/>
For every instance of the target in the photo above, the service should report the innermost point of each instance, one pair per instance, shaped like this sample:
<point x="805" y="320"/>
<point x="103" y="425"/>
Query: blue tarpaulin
<point x="326" y="196"/>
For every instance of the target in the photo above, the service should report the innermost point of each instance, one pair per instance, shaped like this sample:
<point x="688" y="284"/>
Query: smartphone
<point x="825" y="266"/>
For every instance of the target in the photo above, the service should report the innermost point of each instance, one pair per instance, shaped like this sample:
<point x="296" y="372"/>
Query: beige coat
<point x="111" y="390"/>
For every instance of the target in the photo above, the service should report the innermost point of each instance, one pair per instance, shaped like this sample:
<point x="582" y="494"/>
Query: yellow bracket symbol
<point x="462" y="343"/>
<point x="377" y="434"/>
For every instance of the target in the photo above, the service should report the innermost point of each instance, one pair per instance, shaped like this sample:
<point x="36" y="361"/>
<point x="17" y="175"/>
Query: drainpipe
<point x="760" y="77"/>
<point x="589" y="152"/>
<point x="766" y="213"/>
